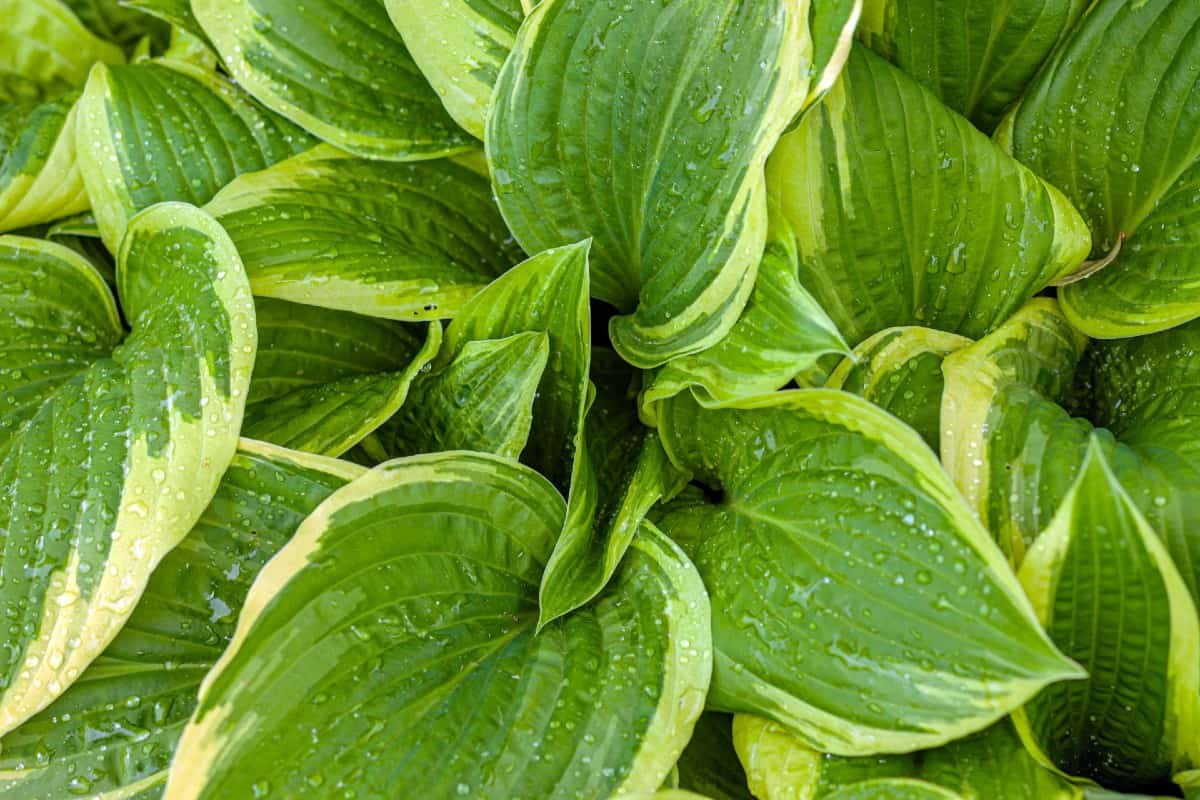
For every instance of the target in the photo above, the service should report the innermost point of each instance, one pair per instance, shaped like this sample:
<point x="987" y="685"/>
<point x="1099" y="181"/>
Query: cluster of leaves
<point x="585" y="399"/>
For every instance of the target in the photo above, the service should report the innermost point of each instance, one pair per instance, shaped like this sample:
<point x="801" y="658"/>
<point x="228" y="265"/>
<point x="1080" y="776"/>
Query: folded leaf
<point x="113" y="732"/>
<point x="661" y="165"/>
<point x="39" y="176"/>
<point x="781" y="334"/>
<point x="57" y="317"/>
<point x="209" y="132"/>
<point x="116" y="21"/>
<point x="1114" y="121"/>
<point x="905" y="214"/>
<point x="403" y="241"/>
<point x="325" y="379"/>
<point x="855" y="598"/>
<point x="45" y="50"/>
<point x="481" y="401"/>
<point x="460" y="46"/>
<point x="977" y="56"/>
<point x="337" y="68"/>
<point x="900" y="370"/>
<point x="1109" y="595"/>
<point x="117" y="464"/>
<point x="176" y="12"/>
<point x="709" y="764"/>
<point x="392" y="641"/>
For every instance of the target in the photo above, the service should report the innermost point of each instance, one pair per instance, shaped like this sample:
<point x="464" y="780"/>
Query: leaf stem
<point x="1089" y="268"/>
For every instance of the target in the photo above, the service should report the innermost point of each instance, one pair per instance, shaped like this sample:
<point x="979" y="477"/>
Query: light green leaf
<point x="337" y="68"/>
<point x="482" y="400"/>
<point x="460" y="46"/>
<point x="403" y="241"/>
<point x="905" y="214"/>
<point x="709" y="764"/>
<point x="781" y="334"/>
<point x="893" y="789"/>
<point x="324" y="379"/>
<point x="119" y="462"/>
<point x="113" y="732"/>
<point x="1109" y="595"/>
<point x="900" y="370"/>
<point x="39" y="177"/>
<point x="977" y="56"/>
<point x="45" y="50"/>
<point x="855" y="598"/>
<point x="620" y="472"/>
<point x="57" y="317"/>
<point x="209" y="132"/>
<point x="1189" y="781"/>
<point x="403" y="635"/>
<point x="1114" y="121"/>
<point x="662" y="165"/>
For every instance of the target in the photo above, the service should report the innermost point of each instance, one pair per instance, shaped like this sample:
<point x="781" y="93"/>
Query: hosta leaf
<point x="206" y="132"/>
<point x="39" y="177"/>
<point x="1109" y="595"/>
<point x="460" y="47"/>
<point x="116" y="21"/>
<point x="398" y="625"/>
<point x="1114" y="121"/>
<point x="893" y="789"/>
<point x="404" y="241"/>
<point x="338" y="68"/>
<point x="482" y="400"/>
<point x="620" y="472"/>
<point x="116" y="466"/>
<point x="934" y="227"/>
<point x="855" y="598"/>
<point x="977" y="56"/>
<point x="661" y="165"/>
<point x="781" y="334"/>
<point x="113" y="732"/>
<point x="900" y="370"/>
<point x="57" y="317"/>
<point x="177" y="12"/>
<point x="45" y="50"/>
<point x="709" y="763"/>
<point x="324" y="379"/>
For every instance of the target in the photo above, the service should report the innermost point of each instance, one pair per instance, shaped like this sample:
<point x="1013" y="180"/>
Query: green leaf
<point x="176" y="12"/>
<point x="620" y="471"/>
<point x="1109" y="595"/>
<point x="57" y="317"/>
<point x="113" y="732"/>
<point x="460" y="46"/>
<point x="403" y="241"/>
<point x="855" y="598"/>
<point x="482" y="400"/>
<point x="119" y="462"/>
<point x="976" y="56"/>
<point x="337" y="68"/>
<point x="45" y="50"/>
<point x="39" y="177"/>
<point x="1114" y="121"/>
<point x="324" y="379"/>
<point x="905" y="214"/>
<point x="662" y="165"/>
<point x="900" y="370"/>
<point x="709" y="764"/>
<point x="403" y="636"/>
<point x="207" y="132"/>
<point x="781" y="334"/>
<point x="116" y="21"/>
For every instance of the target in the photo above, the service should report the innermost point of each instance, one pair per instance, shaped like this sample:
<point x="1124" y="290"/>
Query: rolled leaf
<point x="45" y="50"/>
<point x="1109" y="595"/>
<point x="460" y="46"/>
<point x="577" y="143"/>
<point x="402" y="241"/>
<point x="977" y="56"/>
<point x="941" y="230"/>
<point x="39" y="176"/>
<point x="337" y="68"/>
<point x="119" y="462"/>
<point x="213" y="133"/>
<point x="113" y="732"/>
<point x="1114" y="121"/>
<point x="325" y="379"/>
<point x="393" y="625"/>
<point x="855" y="598"/>
<point x="900" y="370"/>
